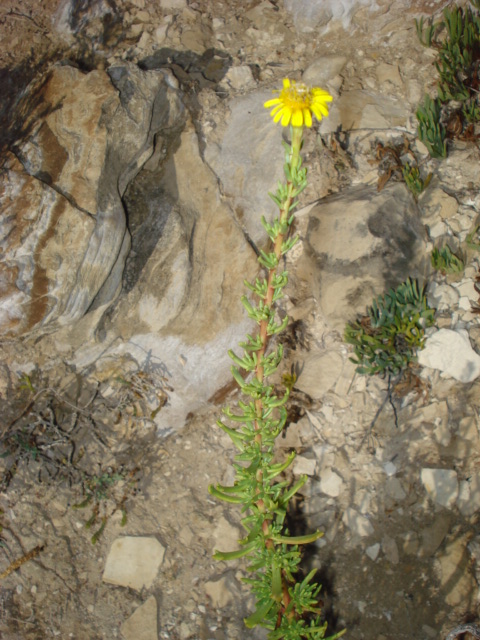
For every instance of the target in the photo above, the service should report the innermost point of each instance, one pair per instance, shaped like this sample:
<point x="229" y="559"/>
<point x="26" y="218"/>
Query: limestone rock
<point x="90" y="19"/>
<point x="226" y="536"/>
<point x="433" y="536"/>
<point x="321" y="71"/>
<point x="358" y="245"/>
<point x="410" y="543"/>
<point x="389" y="468"/>
<point x="43" y="240"/>
<point x="390" y="549"/>
<point x="454" y="573"/>
<point x="442" y="296"/>
<point x="358" y="524"/>
<point x="468" y="500"/>
<point x="133" y="562"/>
<point x="450" y="352"/>
<point x="239" y="77"/>
<point x="362" y="109"/>
<point x="142" y="624"/>
<point x="330" y="483"/>
<point x="218" y="592"/>
<point x="249" y="162"/>
<point x="319" y="373"/>
<point x="304" y="465"/>
<point x="65" y="241"/>
<point x="173" y="4"/>
<point x="441" y="485"/>
<point x="388" y="73"/>
<point x="436" y="202"/>
<point x="468" y="429"/>
<point x="308" y="15"/>
<point x="373" y="551"/>
<point x="394" y="489"/>
<point x="181" y="309"/>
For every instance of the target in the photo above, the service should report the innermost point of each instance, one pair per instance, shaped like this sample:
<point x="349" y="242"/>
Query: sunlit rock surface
<point x="64" y="236"/>
<point x="359" y="244"/>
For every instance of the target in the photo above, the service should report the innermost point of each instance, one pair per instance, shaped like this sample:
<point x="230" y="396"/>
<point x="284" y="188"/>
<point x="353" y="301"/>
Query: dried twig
<point x="16" y="564"/>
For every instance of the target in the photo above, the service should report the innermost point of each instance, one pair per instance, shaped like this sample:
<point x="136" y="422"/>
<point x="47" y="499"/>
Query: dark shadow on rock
<point x="325" y="576"/>
<point x="206" y="70"/>
<point x="148" y="210"/>
<point x="21" y="102"/>
<point x="147" y="206"/>
<point x="397" y="222"/>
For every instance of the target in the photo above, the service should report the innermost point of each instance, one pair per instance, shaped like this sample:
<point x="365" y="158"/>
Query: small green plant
<point x="288" y="608"/>
<point x="386" y="340"/>
<point x="425" y="33"/>
<point x="457" y="39"/>
<point x="471" y="111"/>
<point x="415" y="183"/>
<point x="473" y="238"/>
<point x="108" y="487"/>
<point x="430" y="130"/>
<point x="26" y="383"/>
<point x="458" y="54"/>
<point x="445" y="261"/>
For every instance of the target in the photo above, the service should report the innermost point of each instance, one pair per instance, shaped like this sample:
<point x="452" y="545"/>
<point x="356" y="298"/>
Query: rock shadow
<point x="325" y="575"/>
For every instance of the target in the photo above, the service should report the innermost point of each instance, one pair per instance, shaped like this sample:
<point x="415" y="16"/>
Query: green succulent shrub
<point x="386" y="340"/>
<point x="431" y="131"/>
<point x="458" y="66"/>
<point x="445" y="261"/>
<point x="415" y="183"/>
<point x="459" y="54"/>
<point x="473" y="238"/>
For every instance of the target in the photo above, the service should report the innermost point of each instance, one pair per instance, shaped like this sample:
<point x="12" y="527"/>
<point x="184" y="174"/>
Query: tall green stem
<point x="294" y="165"/>
<point x="289" y="609"/>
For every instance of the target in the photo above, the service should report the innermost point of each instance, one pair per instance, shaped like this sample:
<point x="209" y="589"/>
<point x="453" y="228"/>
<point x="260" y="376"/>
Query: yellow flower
<point x="297" y="102"/>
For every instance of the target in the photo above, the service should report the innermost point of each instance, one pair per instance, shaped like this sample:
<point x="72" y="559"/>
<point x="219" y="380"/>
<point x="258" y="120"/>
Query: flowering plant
<point x="288" y="608"/>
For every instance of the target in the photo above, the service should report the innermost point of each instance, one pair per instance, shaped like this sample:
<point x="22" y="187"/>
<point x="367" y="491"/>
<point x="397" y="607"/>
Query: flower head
<point x="297" y="102"/>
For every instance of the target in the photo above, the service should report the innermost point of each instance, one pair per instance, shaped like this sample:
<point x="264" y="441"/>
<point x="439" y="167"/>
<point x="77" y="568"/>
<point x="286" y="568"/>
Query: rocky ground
<point x="108" y="529"/>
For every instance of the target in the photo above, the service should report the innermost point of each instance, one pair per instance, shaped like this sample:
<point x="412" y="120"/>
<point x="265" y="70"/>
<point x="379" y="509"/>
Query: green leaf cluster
<point x="386" y="340"/>
<point x="473" y="238"/>
<point x="445" y="261"/>
<point x="458" y="68"/>
<point x="431" y="131"/>
<point x="415" y="183"/>
<point x="296" y="181"/>
<point x="273" y="555"/>
<point x="459" y="54"/>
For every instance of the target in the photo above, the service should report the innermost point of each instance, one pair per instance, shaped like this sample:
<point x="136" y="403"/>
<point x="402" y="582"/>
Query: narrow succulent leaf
<point x="274" y="328"/>
<point x="277" y="469"/>
<point x="287" y="496"/>
<point x="306" y="539"/>
<point x="260" y="614"/>
<point x="237" y="437"/>
<point x="226" y="497"/>
<point x="233" y="555"/>
<point x="276" y="582"/>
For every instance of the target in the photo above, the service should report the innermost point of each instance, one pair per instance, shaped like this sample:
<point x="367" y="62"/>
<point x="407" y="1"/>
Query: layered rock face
<point x="117" y="157"/>
<point x="64" y="233"/>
